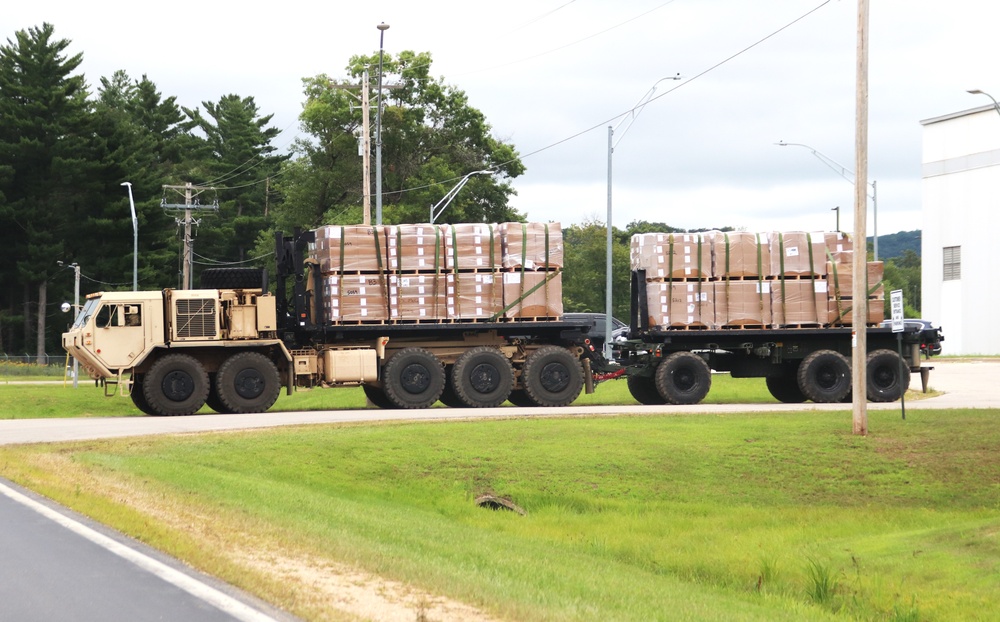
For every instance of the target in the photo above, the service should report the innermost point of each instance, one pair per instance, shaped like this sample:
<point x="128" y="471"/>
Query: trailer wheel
<point x="683" y="378"/>
<point x="247" y="382"/>
<point x="413" y="378"/>
<point x="552" y="376"/>
<point x="885" y="382"/>
<point x="377" y="397"/>
<point x="825" y="376"/>
<point x="213" y="401"/>
<point x="785" y="388"/>
<point x="138" y="397"/>
<point x="176" y="384"/>
<point x="518" y="397"/>
<point x="232" y="278"/>
<point x="482" y="377"/>
<point x="643" y="389"/>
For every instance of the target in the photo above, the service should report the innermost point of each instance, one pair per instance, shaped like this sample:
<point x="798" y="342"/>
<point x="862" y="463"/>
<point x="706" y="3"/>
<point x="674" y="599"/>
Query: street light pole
<point x="135" y="240"/>
<point x="378" y="129"/>
<point x="630" y="117"/>
<point x="847" y="174"/>
<point x="978" y="92"/>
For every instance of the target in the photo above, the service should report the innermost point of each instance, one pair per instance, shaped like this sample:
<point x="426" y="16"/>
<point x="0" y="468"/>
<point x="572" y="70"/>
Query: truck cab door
<point x="120" y="333"/>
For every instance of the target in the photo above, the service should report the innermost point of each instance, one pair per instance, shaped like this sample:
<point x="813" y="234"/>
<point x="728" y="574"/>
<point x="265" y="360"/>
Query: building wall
<point x="961" y="207"/>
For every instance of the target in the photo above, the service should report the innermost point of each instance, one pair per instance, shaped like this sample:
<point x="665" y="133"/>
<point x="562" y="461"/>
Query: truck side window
<point x="133" y="315"/>
<point x="107" y="316"/>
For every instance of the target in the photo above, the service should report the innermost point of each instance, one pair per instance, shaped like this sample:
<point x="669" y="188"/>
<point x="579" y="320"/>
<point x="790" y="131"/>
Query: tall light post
<point x="378" y="129"/>
<point x="135" y="239"/>
<point x="629" y="117"/>
<point x="978" y="92"/>
<point x="76" y="312"/>
<point x="847" y="174"/>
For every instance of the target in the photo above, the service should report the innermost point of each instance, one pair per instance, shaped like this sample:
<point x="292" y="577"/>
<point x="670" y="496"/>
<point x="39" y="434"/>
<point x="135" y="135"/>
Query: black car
<point x="926" y="348"/>
<point x="619" y="329"/>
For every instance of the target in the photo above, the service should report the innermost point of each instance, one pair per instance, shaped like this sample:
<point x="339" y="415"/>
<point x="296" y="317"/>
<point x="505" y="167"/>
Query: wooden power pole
<point x="859" y="368"/>
<point x="190" y="204"/>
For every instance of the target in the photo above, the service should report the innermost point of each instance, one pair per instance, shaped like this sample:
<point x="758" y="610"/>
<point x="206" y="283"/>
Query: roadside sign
<point x="896" y="303"/>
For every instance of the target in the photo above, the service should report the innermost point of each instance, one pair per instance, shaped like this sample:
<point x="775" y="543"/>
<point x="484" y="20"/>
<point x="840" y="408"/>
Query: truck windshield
<point x="86" y="312"/>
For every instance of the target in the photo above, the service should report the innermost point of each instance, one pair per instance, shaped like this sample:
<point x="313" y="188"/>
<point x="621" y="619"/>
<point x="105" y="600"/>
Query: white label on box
<point x="420" y="251"/>
<point x="404" y="281"/>
<point x="479" y="311"/>
<point x="792" y="251"/>
<point x="529" y="264"/>
<point x="819" y="287"/>
<point x="477" y="239"/>
<point x="479" y="288"/>
<point x="364" y="302"/>
<point x="451" y="290"/>
<point x="479" y="300"/>
<point x="420" y="290"/>
<point x="763" y="288"/>
<point x="512" y="278"/>
<point x="488" y="279"/>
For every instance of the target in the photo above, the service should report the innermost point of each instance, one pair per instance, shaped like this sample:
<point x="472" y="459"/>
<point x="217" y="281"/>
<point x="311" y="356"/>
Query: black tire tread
<point x="536" y="364"/>
<point x="683" y="366"/>
<point x="462" y="387"/>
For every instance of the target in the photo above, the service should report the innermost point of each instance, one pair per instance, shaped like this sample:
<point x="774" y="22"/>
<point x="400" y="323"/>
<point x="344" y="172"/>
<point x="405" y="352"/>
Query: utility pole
<point x="859" y="371"/>
<point x="366" y="144"/>
<point x="190" y="204"/>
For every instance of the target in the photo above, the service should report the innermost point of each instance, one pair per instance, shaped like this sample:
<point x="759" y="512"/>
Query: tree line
<point x="67" y="147"/>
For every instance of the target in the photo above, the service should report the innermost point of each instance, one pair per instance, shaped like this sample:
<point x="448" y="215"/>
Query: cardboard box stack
<point x="533" y="261"/>
<point x="753" y="280"/>
<point x="426" y="272"/>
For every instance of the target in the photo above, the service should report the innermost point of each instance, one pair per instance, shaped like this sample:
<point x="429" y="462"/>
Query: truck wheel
<point x="552" y="376"/>
<point x="643" y="389"/>
<point x="683" y="378"/>
<point x="482" y="377"/>
<point x="377" y="396"/>
<point x="248" y="382"/>
<point x="176" y="384"/>
<point x="413" y="378"/>
<point x="232" y="278"/>
<point x="885" y="383"/>
<point x="785" y="388"/>
<point x="825" y="376"/>
<point x="138" y="398"/>
<point x="213" y="401"/>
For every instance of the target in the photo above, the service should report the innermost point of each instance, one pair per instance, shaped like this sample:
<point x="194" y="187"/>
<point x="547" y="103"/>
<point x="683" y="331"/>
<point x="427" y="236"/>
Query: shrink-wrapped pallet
<point x="472" y="246"/>
<point x="680" y="304"/>
<point x="415" y="248"/>
<point x="739" y="254"/>
<point x="840" y="276"/>
<point x="742" y="304"/>
<point x="350" y="248"/>
<point x="671" y="255"/>
<point x="797" y="253"/>
<point x="532" y="246"/>
<point x="840" y="312"/>
<point x="418" y="297"/>
<point x="837" y="242"/>
<point x="532" y="294"/>
<point x="475" y="295"/>
<point x="355" y="298"/>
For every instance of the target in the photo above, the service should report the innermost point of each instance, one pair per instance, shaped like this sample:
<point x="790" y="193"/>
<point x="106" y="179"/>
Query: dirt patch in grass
<point x="307" y="585"/>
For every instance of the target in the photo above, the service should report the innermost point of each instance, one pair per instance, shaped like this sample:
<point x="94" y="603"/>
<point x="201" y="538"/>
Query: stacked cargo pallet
<point x="440" y="273"/>
<point x="752" y="280"/>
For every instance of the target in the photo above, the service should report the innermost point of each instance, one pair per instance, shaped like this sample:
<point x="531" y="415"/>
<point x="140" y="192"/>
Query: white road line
<point x="190" y="585"/>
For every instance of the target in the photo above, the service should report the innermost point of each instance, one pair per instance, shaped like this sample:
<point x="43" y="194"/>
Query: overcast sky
<point x="544" y="72"/>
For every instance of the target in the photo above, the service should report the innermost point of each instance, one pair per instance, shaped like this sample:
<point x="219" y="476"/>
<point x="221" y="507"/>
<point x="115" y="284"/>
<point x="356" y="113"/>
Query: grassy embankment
<point x="722" y="517"/>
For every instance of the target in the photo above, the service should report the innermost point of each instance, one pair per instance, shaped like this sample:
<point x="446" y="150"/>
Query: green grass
<point x="721" y="517"/>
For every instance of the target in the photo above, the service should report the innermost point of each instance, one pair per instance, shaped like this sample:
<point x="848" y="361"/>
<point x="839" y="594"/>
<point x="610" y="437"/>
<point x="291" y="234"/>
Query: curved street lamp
<point x="847" y="174"/>
<point x="135" y="239"/>
<point x="630" y="117"/>
<point x="978" y="92"/>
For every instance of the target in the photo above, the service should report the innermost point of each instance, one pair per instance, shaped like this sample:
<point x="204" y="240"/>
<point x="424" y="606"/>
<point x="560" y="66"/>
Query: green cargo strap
<point x="549" y="277"/>
<point x="524" y="260"/>
<point x="781" y="276"/>
<point x="546" y="262"/>
<point x="342" y="234"/>
<point x="670" y="261"/>
<point x="383" y="285"/>
<point x="760" y="280"/>
<point x="812" y="276"/>
<point x="493" y="259"/>
<point x="454" y="269"/>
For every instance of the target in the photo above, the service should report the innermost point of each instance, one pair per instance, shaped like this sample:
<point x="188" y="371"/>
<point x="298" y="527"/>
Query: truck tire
<point x="247" y="382"/>
<point x="683" y="378"/>
<point x="552" y="376"/>
<point x="413" y="378"/>
<point x="785" y="388"/>
<point x="377" y="397"/>
<point x="885" y="382"/>
<point x="482" y="377"/>
<point x="232" y="278"/>
<point x="176" y="384"/>
<point x="138" y="398"/>
<point x="643" y="389"/>
<point x="825" y="376"/>
<point x="213" y="401"/>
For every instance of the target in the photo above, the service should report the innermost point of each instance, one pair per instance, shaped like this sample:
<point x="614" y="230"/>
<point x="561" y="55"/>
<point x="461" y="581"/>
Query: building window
<point x="952" y="263"/>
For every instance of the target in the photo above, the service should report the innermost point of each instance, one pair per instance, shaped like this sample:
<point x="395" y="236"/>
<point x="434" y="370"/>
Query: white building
<point x="960" y="253"/>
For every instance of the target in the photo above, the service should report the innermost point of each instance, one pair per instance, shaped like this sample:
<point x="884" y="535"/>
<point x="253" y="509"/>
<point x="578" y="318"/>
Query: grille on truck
<point x="196" y="317"/>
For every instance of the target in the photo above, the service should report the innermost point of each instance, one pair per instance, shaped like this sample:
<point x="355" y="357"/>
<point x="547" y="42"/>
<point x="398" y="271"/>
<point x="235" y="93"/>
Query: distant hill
<point x="894" y="244"/>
